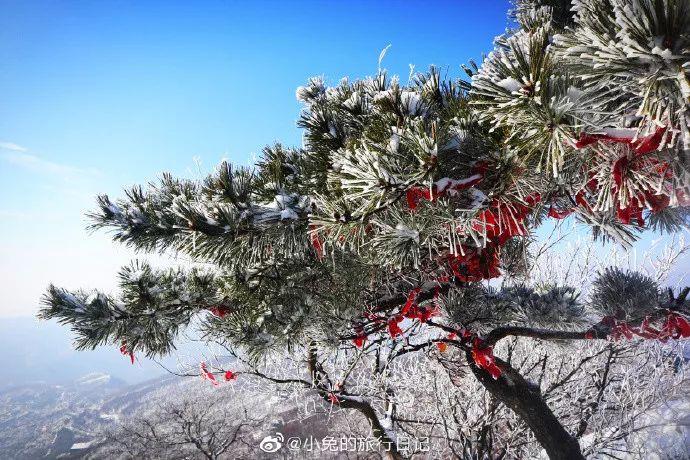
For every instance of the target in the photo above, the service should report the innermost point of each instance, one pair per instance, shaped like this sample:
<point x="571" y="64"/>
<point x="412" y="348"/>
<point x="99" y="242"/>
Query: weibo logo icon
<point x="272" y="444"/>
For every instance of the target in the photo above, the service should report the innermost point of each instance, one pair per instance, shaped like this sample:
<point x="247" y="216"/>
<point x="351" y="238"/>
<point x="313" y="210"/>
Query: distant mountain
<point x="47" y="420"/>
<point x="54" y="398"/>
<point x="42" y="351"/>
<point x="51" y="421"/>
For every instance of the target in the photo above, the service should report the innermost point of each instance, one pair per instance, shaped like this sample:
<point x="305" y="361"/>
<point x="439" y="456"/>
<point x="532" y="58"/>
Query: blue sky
<point x="100" y="95"/>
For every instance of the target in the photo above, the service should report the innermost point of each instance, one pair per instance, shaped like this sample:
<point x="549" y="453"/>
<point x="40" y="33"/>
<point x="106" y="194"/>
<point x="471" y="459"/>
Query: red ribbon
<point x="207" y="375"/>
<point x="415" y="194"/>
<point x="411" y="301"/>
<point x="394" y="326"/>
<point x="124" y="351"/>
<point x="438" y="189"/>
<point x="483" y="357"/>
<point x="631" y="212"/>
<point x="475" y="264"/>
<point x="219" y="311"/>
<point x="361" y="337"/>
<point x="560" y="214"/>
<point x="620" y="166"/>
<point x="316" y="241"/>
<point x="503" y="221"/>
<point x="641" y="145"/>
<point x="674" y="327"/>
<point x="423" y="314"/>
<point x="656" y="202"/>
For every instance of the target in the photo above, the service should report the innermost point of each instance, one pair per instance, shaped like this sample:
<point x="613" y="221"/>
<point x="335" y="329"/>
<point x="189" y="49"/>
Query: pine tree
<point x="380" y="232"/>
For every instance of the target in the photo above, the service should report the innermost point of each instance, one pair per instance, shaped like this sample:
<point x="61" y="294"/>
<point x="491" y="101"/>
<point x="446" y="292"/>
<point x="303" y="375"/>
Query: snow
<point x="81" y="445"/>
<point x="94" y="296"/>
<point x="394" y="142"/>
<point x="665" y="53"/>
<point x="264" y="337"/>
<point x="315" y="87"/>
<point x="622" y="133"/>
<point x="669" y="430"/>
<point x="510" y="84"/>
<point x="387" y="94"/>
<point x="478" y="198"/>
<point x="281" y="200"/>
<point x="456" y="139"/>
<point x="301" y="93"/>
<point x="443" y="183"/>
<point x="411" y="101"/>
<point x="446" y="182"/>
<point x="684" y="83"/>
<point x="304" y="201"/>
<point x="115" y="209"/>
<point x="94" y="379"/>
<point x="331" y="93"/>
<point x="406" y="232"/>
<point x="353" y="101"/>
<point x="69" y="298"/>
<point x="460" y="182"/>
<point x="574" y="94"/>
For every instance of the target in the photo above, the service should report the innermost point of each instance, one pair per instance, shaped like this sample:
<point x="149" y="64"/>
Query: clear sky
<point x="99" y="95"/>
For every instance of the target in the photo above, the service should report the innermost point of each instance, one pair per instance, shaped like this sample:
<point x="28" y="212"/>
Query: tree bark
<point x="377" y="429"/>
<point x="525" y="400"/>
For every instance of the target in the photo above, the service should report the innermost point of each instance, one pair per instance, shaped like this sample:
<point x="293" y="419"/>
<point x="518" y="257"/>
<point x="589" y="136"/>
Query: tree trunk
<point x="525" y="400"/>
<point x="379" y="432"/>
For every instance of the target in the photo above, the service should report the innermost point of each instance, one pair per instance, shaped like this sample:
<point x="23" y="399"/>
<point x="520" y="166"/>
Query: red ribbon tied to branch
<point x="640" y="145"/>
<point x="316" y="241"/>
<point x="483" y="357"/>
<point x="443" y="346"/>
<point x="125" y="352"/>
<point x="411" y="301"/>
<point x="219" y="311"/>
<point x="560" y="213"/>
<point x="475" y="264"/>
<point x="441" y="188"/>
<point x="360" y="338"/>
<point x="503" y="221"/>
<point x="674" y="327"/>
<point x="630" y="161"/>
<point x="207" y="375"/>
<point x="412" y="310"/>
<point x="394" y="326"/>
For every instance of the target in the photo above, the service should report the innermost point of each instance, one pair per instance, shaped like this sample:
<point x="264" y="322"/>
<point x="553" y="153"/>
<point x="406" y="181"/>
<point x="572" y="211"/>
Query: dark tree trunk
<point x="377" y="429"/>
<point x="525" y="400"/>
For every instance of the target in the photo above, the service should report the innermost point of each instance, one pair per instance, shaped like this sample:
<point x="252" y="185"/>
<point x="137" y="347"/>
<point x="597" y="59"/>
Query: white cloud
<point x="12" y="146"/>
<point x="40" y="165"/>
<point x="18" y="215"/>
